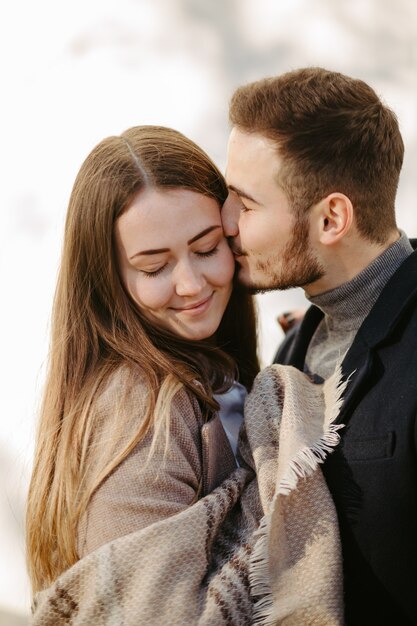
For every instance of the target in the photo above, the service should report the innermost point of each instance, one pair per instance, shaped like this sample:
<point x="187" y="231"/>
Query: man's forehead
<point x="252" y="141"/>
<point x="249" y="154"/>
<point x="252" y="163"/>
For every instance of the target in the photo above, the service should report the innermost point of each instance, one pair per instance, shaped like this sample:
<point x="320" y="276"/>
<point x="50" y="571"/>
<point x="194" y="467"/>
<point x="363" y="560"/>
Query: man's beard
<point x="298" y="265"/>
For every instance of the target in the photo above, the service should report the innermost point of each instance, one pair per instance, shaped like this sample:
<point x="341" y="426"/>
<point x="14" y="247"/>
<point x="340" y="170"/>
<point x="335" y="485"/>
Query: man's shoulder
<point x="284" y="348"/>
<point x="293" y="347"/>
<point x="400" y="292"/>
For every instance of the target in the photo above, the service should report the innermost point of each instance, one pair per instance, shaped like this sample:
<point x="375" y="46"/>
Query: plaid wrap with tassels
<point x="261" y="549"/>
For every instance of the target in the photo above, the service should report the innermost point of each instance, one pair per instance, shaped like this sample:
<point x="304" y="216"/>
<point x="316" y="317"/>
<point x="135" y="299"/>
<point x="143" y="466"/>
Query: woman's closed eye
<point x="151" y="273"/>
<point x="207" y="253"/>
<point x="199" y="253"/>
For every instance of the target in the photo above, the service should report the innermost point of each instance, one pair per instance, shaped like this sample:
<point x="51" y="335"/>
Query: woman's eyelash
<point x="154" y="273"/>
<point x="159" y="270"/>
<point x="208" y="253"/>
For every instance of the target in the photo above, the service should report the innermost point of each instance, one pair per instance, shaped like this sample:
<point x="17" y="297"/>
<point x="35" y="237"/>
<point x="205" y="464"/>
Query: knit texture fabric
<point x="138" y="492"/>
<point x="347" y="306"/>
<point x="259" y="549"/>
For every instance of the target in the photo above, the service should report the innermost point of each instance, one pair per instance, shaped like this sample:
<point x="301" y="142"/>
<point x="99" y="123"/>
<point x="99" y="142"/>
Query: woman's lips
<point x="197" y="308"/>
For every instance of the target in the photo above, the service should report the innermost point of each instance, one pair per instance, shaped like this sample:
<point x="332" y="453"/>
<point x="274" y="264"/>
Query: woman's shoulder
<point x="155" y="476"/>
<point x="122" y="380"/>
<point x="127" y="389"/>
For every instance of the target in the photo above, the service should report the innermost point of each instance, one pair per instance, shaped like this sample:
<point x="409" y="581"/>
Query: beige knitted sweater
<point x="258" y="549"/>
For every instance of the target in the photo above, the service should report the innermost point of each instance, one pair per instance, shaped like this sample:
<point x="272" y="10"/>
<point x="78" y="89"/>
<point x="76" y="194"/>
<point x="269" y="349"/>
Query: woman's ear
<point x="335" y="218"/>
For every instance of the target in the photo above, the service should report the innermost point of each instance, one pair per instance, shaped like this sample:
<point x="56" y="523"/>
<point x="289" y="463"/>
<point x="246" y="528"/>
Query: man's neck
<point x="346" y="307"/>
<point x="347" y="260"/>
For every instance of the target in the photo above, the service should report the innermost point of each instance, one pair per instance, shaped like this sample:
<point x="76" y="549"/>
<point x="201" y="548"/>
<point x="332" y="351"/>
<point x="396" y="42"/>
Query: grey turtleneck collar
<point x="351" y="302"/>
<point x="347" y="306"/>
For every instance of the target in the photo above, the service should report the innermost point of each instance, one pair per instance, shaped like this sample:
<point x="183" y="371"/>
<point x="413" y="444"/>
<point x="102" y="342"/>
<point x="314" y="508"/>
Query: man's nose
<point x="230" y="216"/>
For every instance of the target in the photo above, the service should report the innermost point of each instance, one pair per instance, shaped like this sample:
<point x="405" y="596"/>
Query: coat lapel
<point x="399" y="294"/>
<point x="397" y="297"/>
<point x="356" y="366"/>
<point x="293" y="350"/>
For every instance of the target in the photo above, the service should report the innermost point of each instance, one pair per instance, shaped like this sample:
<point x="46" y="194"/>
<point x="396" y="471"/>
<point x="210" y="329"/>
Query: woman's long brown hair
<point x="96" y="328"/>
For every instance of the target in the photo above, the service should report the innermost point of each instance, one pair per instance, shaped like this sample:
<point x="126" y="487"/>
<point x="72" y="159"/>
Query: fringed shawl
<point x="262" y="548"/>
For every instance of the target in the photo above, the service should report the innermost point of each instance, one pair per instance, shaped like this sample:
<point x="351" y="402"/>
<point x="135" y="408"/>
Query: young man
<point x="313" y="166"/>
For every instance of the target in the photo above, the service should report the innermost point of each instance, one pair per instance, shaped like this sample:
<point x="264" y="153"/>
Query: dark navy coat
<point x="372" y="475"/>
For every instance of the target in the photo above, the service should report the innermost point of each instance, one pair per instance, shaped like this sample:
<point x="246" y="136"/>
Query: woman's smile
<point x="195" y="309"/>
<point x="180" y="276"/>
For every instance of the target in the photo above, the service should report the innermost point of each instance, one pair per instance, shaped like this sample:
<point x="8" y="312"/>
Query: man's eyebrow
<point x="243" y="194"/>
<point x="204" y="232"/>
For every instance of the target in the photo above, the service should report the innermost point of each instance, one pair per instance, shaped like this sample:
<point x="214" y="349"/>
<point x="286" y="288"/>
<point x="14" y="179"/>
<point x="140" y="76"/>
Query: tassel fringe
<point x="306" y="461"/>
<point x="259" y="575"/>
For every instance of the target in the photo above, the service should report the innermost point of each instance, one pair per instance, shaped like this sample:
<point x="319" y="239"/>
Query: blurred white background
<point x="75" y="72"/>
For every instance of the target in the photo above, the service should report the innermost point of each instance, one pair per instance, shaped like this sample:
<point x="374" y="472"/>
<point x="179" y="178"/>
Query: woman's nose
<point x="188" y="280"/>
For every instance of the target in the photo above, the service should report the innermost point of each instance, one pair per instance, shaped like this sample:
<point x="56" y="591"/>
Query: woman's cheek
<point x="151" y="292"/>
<point x="227" y="261"/>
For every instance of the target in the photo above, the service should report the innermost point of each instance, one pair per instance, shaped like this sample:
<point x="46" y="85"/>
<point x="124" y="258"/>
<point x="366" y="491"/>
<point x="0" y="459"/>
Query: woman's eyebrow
<point x="203" y="233"/>
<point x="192" y="240"/>
<point x="153" y="251"/>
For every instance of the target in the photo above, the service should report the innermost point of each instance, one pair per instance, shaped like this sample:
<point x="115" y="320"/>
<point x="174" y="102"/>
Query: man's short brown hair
<point x="333" y="134"/>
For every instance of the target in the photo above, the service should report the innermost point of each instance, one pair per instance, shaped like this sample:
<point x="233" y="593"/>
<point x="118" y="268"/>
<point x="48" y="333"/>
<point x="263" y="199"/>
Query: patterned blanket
<point x="262" y="548"/>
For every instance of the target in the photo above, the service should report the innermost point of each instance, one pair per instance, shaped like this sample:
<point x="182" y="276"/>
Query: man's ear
<point x="335" y="218"/>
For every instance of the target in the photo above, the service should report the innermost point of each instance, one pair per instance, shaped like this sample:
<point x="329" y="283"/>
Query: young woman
<point x="138" y="512"/>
